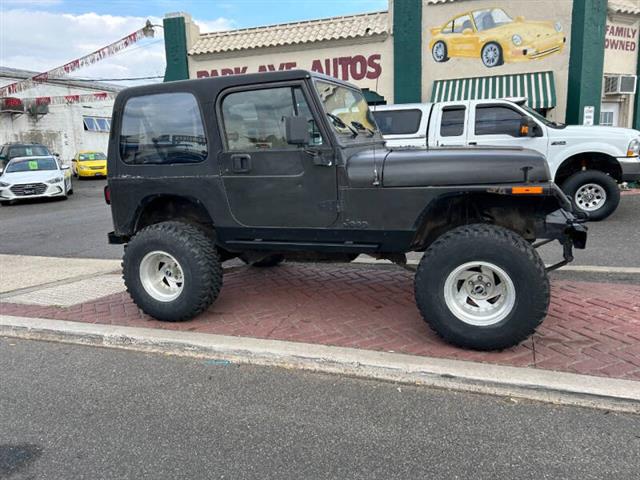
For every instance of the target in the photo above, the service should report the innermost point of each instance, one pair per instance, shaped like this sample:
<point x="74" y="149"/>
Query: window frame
<point x="402" y="110"/>
<point x="327" y="140"/>
<point x="470" y="17"/>
<point x="120" y="121"/>
<point x="465" y="118"/>
<point x="493" y="105"/>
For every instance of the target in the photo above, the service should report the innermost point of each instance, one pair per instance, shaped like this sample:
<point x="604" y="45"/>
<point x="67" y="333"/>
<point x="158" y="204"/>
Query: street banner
<point x="86" y="61"/>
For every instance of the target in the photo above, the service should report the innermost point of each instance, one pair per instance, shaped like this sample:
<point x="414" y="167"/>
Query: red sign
<point x="355" y="68"/>
<point x="621" y="38"/>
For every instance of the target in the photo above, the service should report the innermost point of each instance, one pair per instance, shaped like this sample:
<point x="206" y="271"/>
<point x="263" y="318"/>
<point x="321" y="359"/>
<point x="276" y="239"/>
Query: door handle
<point x="473" y="144"/>
<point x="241" y="163"/>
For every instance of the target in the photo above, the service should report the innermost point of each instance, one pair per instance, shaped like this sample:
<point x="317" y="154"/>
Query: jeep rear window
<point x="162" y="129"/>
<point x="398" y="122"/>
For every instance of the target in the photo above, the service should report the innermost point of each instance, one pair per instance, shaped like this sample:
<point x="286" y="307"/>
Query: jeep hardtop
<point x="291" y="165"/>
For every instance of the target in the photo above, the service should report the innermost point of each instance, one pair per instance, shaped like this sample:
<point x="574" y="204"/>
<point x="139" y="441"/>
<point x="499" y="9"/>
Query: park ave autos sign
<point x="350" y="68"/>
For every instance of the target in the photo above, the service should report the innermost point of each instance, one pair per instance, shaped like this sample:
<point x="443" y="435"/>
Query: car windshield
<point x="90" y="156"/>
<point x="347" y="109"/>
<point x="32" y="165"/>
<point x="542" y="118"/>
<point x="488" y="19"/>
<point x="28" y="151"/>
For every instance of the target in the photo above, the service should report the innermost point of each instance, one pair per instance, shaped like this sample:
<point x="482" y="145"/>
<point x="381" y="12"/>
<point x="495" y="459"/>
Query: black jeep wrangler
<point x="291" y="165"/>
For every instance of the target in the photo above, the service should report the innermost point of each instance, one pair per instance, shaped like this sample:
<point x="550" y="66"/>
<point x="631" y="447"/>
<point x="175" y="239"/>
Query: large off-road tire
<point x="482" y="287"/>
<point x="593" y="192"/>
<point x="172" y="271"/>
<point x="492" y="55"/>
<point x="440" y="52"/>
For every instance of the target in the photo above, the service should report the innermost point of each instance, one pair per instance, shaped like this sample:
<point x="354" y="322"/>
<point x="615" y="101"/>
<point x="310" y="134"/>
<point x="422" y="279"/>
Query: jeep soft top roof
<point x="213" y="85"/>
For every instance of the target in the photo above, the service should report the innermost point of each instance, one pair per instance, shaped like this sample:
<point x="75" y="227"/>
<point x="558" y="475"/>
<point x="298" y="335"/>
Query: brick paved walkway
<point x="592" y="328"/>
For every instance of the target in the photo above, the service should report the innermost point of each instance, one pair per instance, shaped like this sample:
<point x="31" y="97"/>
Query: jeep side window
<point x="452" y="122"/>
<point x="162" y="129"/>
<point x="255" y="119"/>
<point x="496" y="120"/>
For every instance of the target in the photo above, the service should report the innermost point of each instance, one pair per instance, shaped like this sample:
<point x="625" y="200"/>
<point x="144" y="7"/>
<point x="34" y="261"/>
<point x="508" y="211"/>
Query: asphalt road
<point x="72" y="412"/>
<point x="78" y="227"/>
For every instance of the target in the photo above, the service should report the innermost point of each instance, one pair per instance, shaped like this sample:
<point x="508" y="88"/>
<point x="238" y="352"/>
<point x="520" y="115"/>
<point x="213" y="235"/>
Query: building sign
<point x="348" y="68"/>
<point x="621" y="38"/>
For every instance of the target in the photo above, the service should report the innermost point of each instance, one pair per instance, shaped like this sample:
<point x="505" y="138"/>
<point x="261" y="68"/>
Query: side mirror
<point x="297" y="131"/>
<point x="467" y="31"/>
<point x="65" y="167"/>
<point x="528" y="127"/>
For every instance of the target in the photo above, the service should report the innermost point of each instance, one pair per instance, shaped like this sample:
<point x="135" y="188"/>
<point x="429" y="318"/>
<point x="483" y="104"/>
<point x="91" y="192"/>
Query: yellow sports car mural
<point x="495" y="37"/>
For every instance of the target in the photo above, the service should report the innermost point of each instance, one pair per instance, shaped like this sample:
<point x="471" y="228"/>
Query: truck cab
<point x="588" y="162"/>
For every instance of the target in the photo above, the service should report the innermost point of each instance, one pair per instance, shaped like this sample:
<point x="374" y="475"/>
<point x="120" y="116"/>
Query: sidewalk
<point x="592" y="328"/>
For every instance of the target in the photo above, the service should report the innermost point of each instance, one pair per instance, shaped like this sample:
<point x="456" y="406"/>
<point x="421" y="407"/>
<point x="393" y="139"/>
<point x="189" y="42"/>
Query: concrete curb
<point x="526" y="383"/>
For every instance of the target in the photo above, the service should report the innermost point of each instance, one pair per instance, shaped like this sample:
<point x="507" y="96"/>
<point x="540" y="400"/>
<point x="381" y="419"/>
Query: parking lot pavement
<point x="95" y="413"/>
<point x="592" y="328"/>
<point x="76" y="227"/>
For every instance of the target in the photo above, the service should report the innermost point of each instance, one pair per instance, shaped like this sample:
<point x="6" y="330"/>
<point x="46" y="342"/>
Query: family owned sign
<point x="620" y="38"/>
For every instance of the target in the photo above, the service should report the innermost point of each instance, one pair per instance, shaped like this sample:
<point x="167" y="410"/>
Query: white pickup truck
<point x="587" y="162"/>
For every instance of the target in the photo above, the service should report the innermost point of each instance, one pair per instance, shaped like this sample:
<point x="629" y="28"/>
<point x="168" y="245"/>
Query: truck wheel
<point x="482" y="287"/>
<point x="270" y="261"/>
<point x="593" y="192"/>
<point x="172" y="271"/>
<point x="492" y="55"/>
<point x="440" y="52"/>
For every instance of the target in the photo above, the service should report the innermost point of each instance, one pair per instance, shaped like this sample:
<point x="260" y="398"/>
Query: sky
<point x="43" y="34"/>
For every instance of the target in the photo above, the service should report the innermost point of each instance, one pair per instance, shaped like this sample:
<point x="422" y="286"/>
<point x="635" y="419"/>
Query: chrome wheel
<point x="491" y="55"/>
<point x="479" y="293"/>
<point x="590" y="197"/>
<point x="439" y="52"/>
<point x="161" y="276"/>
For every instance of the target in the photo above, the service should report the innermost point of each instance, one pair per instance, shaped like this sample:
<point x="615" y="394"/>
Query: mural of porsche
<point x="495" y="38"/>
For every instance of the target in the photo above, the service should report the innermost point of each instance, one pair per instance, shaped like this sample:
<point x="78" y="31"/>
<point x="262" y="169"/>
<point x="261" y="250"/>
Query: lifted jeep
<point x="292" y="165"/>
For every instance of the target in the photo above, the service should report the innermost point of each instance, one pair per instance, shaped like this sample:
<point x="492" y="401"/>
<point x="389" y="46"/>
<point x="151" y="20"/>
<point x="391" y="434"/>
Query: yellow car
<point x="495" y="37"/>
<point x="89" y="164"/>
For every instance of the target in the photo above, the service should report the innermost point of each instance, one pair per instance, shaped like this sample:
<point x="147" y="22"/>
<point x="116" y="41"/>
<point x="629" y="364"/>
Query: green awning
<point x="538" y="88"/>
<point x="373" y="98"/>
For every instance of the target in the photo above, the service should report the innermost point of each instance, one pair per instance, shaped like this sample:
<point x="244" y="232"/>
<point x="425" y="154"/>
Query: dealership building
<point x="574" y="60"/>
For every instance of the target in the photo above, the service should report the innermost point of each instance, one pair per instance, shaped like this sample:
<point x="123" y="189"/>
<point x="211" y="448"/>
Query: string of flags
<point x="85" y="61"/>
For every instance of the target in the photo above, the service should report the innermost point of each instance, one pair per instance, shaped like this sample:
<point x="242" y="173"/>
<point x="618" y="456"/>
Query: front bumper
<point x="630" y="169"/>
<point x="537" y="50"/>
<point x="54" y="190"/>
<point x="89" y="172"/>
<point x="569" y="230"/>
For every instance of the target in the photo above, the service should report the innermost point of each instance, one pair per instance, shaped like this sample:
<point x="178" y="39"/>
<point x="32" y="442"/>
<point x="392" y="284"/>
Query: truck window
<point x="162" y="129"/>
<point x="398" y="122"/>
<point x="254" y="119"/>
<point x="452" y="122"/>
<point x="497" y="120"/>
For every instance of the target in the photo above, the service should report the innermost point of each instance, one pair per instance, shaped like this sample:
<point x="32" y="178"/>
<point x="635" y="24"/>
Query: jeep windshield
<point x="347" y="110"/>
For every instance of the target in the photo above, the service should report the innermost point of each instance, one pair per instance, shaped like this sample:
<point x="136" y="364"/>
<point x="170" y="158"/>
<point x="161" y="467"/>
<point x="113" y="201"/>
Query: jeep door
<point x="268" y="182"/>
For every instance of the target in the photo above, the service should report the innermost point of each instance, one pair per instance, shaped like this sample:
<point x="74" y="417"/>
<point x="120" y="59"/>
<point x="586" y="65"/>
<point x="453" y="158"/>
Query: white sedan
<point x="34" y="177"/>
